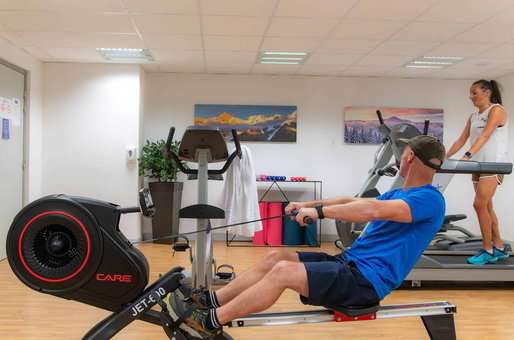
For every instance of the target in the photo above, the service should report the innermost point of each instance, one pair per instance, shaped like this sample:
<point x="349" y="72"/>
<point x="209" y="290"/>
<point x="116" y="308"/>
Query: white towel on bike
<point x="240" y="197"/>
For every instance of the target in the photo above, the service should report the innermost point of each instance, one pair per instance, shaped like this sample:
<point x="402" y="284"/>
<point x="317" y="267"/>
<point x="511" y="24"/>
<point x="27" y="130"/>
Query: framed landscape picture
<point x="361" y="123"/>
<point x="254" y="123"/>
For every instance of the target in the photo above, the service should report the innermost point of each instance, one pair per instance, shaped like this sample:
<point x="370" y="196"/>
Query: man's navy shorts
<point x="333" y="281"/>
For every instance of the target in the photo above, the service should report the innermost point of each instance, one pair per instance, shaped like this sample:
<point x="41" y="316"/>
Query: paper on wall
<point x="11" y="109"/>
<point x="5" y="108"/>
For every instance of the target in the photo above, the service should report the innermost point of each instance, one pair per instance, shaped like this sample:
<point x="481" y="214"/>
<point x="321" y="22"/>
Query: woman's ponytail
<point x="496" y="96"/>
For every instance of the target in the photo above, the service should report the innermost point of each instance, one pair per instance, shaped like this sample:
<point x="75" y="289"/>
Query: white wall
<point x="91" y="114"/>
<point x="503" y="197"/>
<point x="319" y="152"/>
<point x="33" y="118"/>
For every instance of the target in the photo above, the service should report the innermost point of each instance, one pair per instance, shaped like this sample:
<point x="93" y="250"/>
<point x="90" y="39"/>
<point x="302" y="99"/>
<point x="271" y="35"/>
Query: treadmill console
<point x="452" y="166"/>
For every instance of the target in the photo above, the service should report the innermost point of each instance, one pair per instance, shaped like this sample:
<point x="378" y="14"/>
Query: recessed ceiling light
<point x="125" y="54"/>
<point x="281" y="62"/>
<point x="282" y="58"/>
<point x="422" y="62"/>
<point x="439" y="57"/>
<point x="424" y="66"/>
<point x="433" y="62"/>
<point x="284" y="53"/>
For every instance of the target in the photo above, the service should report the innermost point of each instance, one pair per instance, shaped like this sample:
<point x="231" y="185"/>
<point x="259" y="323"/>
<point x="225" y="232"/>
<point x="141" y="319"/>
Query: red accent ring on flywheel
<point x="82" y="265"/>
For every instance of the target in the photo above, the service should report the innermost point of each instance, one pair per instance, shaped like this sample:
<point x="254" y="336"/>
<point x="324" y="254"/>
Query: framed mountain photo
<point x="254" y="123"/>
<point x="361" y="123"/>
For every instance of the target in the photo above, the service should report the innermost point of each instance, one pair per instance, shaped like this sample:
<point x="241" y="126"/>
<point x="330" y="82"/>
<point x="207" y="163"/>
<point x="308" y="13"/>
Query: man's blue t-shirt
<point x="387" y="251"/>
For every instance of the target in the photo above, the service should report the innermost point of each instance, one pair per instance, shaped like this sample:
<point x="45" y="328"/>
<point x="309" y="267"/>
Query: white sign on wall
<point x="11" y="109"/>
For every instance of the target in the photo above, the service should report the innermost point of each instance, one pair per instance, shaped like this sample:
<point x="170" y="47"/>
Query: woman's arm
<point x="460" y="141"/>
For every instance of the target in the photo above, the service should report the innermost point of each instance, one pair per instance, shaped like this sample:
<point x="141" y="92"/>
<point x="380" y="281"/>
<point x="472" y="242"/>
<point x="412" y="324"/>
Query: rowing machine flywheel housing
<point x="72" y="247"/>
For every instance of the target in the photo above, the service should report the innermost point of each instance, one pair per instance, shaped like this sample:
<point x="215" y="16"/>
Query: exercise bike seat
<point x="454" y="218"/>
<point x="353" y="311"/>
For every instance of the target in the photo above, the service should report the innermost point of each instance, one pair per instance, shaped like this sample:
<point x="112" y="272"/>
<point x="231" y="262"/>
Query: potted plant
<point x="165" y="189"/>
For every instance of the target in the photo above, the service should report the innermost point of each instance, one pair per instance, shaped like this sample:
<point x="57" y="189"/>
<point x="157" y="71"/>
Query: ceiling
<point x="343" y="37"/>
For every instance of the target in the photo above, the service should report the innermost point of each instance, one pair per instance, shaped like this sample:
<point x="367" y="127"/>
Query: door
<point x="12" y="90"/>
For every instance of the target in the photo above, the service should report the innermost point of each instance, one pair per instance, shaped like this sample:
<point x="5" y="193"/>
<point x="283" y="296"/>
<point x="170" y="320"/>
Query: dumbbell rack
<point x="317" y="188"/>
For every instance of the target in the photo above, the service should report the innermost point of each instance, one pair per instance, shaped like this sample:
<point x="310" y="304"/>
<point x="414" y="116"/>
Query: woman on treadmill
<point x="487" y="129"/>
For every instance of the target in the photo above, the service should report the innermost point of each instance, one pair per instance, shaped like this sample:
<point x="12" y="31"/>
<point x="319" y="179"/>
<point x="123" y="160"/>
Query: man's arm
<point x="335" y="201"/>
<point x="362" y="210"/>
<point x="331" y="201"/>
<point x="295" y="206"/>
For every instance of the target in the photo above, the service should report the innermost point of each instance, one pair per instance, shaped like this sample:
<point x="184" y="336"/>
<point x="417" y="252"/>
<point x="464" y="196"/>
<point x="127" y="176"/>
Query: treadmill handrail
<point x="167" y="153"/>
<point x="383" y="128"/>
<point x="425" y="127"/>
<point x="453" y="166"/>
<point x="380" y="118"/>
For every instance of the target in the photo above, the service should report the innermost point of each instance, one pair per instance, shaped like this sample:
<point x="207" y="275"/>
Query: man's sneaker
<point x="199" y="297"/>
<point x="198" y="320"/>
<point x="501" y="254"/>
<point x="194" y="318"/>
<point x="176" y="308"/>
<point x="196" y="295"/>
<point x="482" y="257"/>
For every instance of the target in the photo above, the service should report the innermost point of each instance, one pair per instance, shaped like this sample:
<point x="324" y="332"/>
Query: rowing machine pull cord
<point x="307" y="220"/>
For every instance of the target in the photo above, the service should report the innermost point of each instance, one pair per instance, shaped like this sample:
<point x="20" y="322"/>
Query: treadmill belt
<point x="462" y="260"/>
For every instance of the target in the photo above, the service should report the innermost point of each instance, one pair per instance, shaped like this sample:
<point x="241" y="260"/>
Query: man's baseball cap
<point x="426" y="148"/>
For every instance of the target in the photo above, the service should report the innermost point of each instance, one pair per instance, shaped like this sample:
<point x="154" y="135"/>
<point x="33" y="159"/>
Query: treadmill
<point x="466" y="243"/>
<point x="453" y="266"/>
<point x="451" y="237"/>
<point x="385" y="163"/>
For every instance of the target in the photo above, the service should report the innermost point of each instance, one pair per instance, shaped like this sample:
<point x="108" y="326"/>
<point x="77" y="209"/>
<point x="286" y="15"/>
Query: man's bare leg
<point x="253" y="275"/>
<point x="264" y="293"/>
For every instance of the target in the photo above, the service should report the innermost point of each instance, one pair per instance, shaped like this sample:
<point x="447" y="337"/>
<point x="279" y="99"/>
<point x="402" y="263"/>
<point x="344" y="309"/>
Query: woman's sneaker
<point x="482" y="257"/>
<point x="501" y="254"/>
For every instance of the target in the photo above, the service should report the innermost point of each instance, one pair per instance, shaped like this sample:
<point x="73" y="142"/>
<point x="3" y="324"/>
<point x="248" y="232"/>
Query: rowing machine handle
<point x="306" y="219"/>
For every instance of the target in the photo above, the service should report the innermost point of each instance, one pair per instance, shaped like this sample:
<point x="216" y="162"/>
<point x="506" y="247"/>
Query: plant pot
<point x="167" y="198"/>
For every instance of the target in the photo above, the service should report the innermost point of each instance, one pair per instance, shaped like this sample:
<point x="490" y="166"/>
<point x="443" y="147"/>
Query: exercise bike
<point x="71" y="247"/>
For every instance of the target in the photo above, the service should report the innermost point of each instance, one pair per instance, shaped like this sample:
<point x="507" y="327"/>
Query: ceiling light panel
<point x="125" y="54"/>
<point x="433" y="62"/>
<point x="282" y="58"/>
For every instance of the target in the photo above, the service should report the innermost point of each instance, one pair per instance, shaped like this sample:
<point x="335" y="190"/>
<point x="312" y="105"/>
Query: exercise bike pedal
<point x="225" y="275"/>
<point x="181" y="247"/>
<point x="181" y="244"/>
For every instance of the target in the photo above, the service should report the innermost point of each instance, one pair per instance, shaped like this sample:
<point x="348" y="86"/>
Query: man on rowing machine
<point x="404" y="222"/>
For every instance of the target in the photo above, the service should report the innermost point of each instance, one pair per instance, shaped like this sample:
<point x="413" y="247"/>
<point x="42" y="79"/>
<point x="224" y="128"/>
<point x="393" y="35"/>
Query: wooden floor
<point x="25" y="314"/>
